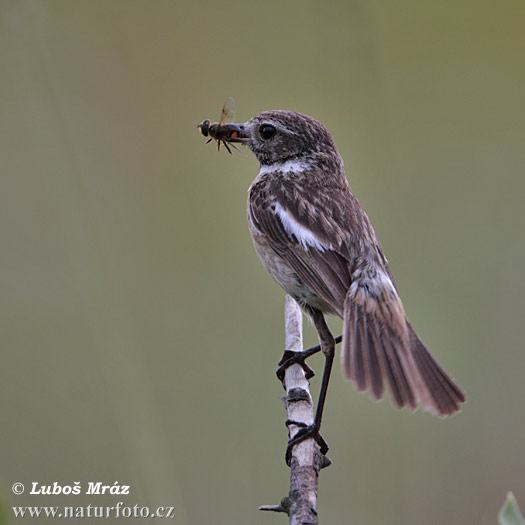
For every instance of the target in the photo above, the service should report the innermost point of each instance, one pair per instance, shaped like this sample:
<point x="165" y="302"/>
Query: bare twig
<point x="306" y="460"/>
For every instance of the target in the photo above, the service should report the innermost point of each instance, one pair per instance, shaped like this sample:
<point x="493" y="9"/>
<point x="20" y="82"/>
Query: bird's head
<point x="281" y="136"/>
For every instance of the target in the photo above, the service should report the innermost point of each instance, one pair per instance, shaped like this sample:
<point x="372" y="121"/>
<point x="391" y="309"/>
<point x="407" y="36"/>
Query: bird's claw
<point x="306" y="432"/>
<point x="291" y="357"/>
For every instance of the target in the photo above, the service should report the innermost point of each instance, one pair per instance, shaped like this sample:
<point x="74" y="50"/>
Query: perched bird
<point x="314" y="238"/>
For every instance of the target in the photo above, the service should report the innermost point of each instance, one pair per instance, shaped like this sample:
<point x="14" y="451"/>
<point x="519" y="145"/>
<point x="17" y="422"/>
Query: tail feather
<point x="403" y="384"/>
<point x="366" y="363"/>
<point x="397" y="386"/>
<point x="374" y="354"/>
<point x="395" y="372"/>
<point x="369" y="358"/>
<point x="373" y="367"/>
<point x="446" y="395"/>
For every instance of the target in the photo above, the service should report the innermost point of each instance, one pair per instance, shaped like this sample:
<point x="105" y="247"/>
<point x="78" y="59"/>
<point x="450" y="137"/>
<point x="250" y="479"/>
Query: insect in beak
<point x="238" y="133"/>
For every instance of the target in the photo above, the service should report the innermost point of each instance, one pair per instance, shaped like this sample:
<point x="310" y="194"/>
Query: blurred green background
<point x="139" y="332"/>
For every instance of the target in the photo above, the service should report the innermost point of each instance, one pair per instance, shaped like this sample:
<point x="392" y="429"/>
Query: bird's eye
<point x="267" y="131"/>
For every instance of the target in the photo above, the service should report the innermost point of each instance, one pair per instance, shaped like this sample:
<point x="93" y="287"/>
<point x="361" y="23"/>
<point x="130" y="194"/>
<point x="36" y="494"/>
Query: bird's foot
<point x="306" y="432"/>
<point x="291" y="357"/>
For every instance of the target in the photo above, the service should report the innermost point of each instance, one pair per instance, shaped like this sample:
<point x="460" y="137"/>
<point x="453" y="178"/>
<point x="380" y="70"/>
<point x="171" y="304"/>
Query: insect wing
<point x="228" y="112"/>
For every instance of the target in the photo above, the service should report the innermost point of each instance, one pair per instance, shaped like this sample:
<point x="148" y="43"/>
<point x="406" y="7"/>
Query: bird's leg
<point x="290" y="357"/>
<point x="328" y="348"/>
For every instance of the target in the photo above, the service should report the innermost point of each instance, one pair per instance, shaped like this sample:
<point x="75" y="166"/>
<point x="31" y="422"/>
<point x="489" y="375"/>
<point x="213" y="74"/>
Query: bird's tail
<point x="375" y="352"/>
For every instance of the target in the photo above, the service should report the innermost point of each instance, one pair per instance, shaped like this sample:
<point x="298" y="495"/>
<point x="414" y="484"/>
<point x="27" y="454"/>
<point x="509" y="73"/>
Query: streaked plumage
<point x="316" y="241"/>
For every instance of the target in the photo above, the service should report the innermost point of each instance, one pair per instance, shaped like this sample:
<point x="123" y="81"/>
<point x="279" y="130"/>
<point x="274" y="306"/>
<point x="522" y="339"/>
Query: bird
<point x="316" y="241"/>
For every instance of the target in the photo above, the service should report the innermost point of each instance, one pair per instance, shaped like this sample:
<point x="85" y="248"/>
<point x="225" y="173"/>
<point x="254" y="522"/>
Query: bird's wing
<point x="341" y="260"/>
<point x="309" y="246"/>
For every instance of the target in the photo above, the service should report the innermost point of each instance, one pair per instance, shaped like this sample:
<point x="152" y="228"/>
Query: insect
<point x="218" y="131"/>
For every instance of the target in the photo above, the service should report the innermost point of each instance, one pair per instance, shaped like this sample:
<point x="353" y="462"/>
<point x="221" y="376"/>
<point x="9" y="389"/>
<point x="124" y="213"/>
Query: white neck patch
<point x="287" y="166"/>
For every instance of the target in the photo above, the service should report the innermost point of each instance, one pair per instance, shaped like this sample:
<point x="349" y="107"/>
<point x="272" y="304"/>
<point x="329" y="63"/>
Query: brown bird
<point x="314" y="238"/>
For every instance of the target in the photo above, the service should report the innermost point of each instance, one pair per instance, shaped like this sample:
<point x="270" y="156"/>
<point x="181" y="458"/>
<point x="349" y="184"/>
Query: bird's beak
<point x="239" y="133"/>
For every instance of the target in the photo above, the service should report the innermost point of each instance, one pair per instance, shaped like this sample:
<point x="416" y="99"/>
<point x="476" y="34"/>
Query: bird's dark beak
<point x="239" y="133"/>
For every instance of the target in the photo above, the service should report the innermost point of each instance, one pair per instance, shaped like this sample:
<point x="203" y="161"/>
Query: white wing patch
<point x="288" y="166"/>
<point x="304" y="236"/>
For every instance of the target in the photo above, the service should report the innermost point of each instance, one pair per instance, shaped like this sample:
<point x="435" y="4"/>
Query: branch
<point x="307" y="460"/>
